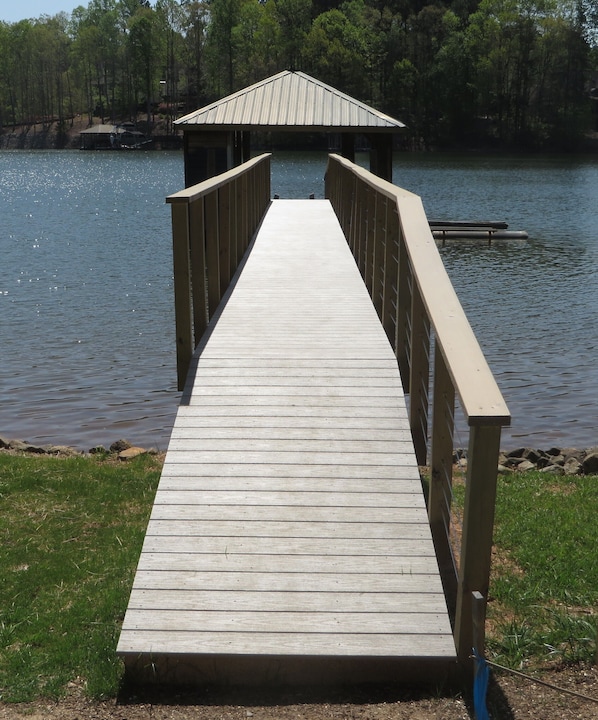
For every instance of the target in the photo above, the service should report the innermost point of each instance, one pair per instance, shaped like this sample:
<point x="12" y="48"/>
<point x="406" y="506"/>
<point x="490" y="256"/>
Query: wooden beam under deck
<point x="289" y="539"/>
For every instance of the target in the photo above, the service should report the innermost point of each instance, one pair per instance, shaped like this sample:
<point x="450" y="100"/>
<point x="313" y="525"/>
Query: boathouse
<point x="113" y="137"/>
<point x="217" y="137"/>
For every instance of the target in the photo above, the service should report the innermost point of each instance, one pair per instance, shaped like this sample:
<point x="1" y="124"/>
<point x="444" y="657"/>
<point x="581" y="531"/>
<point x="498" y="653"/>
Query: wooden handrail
<point x="213" y="223"/>
<point x="389" y="234"/>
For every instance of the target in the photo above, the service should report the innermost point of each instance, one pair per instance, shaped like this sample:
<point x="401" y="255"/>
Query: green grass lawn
<point x="71" y="531"/>
<point x="544" y="583"/>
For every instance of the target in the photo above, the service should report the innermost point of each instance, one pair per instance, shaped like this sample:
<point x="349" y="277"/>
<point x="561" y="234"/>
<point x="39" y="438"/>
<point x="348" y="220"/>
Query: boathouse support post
<point x="348" y="145"/>
<point x="246" y="145"/>
<point x="381" y="155"/>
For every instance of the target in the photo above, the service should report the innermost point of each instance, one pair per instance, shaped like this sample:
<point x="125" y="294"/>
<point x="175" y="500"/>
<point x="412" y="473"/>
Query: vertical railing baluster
<point x="197" y="235"/>
<point x="369" y="240"/>
<point x="212" y="251"/>
<point x="403" y="311"/>
<point x="389" y="296"/>
<point x="355" y="219"/>
<point x="236" y="251"/>
<point x="242" y="241"/>
<point x="369" y="251"/>
<point x="362" y="233"/>
<point x="224" y="236"/>
<point x="378" y="255"/>
<point x="441" y="471"/>
<point x="420" y="372"/>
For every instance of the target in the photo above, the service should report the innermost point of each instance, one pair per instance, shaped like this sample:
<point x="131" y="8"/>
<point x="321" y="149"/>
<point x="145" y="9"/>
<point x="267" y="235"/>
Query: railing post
<point x="182" y="290"/>
<point x="419" y="375"/>
<point x="478" y="523"/>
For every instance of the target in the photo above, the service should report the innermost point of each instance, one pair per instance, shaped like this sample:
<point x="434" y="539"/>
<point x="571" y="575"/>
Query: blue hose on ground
<point x="480" y="687"/>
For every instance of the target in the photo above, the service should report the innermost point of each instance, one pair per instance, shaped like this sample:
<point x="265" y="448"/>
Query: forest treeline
<point x="510" y="73"/>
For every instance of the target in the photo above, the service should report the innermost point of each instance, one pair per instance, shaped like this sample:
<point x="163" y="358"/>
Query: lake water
<point x="86" y="311"/>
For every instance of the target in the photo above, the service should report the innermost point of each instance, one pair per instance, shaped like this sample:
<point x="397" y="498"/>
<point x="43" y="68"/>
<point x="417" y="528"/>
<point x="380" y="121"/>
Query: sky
<point x="14" y="10"/>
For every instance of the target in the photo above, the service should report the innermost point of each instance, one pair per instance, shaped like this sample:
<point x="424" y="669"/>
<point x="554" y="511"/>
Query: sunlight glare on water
<point x="87" y="330"/>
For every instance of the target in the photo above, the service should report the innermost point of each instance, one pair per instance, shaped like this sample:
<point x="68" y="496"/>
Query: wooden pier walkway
<point x="289" y="540"/>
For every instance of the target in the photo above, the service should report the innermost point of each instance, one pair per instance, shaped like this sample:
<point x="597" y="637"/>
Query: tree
<point x="170" y="18"/>
<point x="144" y="45"/>
<point x="530" y="61"/>
<point x="514" y="72"/>
<point x="224" y="16"/>
<point x="335" y="53"/>
<point x="294" y="18"/>
<point x="195" y="23"/>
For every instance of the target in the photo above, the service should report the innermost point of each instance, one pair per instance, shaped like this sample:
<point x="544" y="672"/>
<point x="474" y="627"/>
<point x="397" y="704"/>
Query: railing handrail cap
<point x="207" y="186"/>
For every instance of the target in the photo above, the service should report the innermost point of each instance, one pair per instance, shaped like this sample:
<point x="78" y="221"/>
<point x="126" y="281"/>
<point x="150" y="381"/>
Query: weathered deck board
<point x="355" y="602"/>
<point x="289" y="522"/>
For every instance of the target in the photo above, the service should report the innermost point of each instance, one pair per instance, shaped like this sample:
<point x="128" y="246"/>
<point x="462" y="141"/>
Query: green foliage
<point x="507" y="72"/>
<point x="544" y="589"/>
<point x="70" y="535"/>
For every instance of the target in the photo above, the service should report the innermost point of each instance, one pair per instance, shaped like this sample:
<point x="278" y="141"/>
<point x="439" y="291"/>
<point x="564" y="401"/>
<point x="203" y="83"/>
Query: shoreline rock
<point x="557" y="461"/>
<point x="122" y="449"/>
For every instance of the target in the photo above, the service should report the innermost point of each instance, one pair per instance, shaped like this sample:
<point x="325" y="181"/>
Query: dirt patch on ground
<point x="509" y="698"/>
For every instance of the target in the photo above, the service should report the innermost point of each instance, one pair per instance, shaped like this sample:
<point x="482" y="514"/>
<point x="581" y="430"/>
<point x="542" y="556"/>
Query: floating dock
<point x="472" y="230"/>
